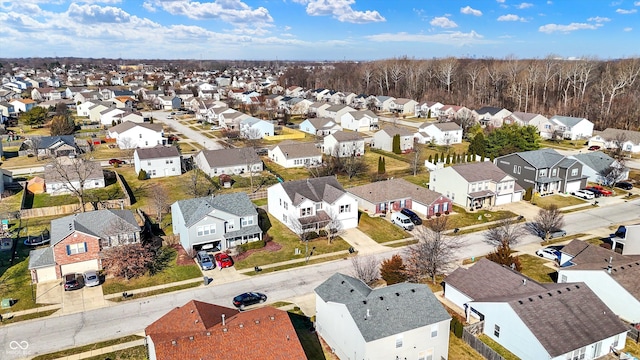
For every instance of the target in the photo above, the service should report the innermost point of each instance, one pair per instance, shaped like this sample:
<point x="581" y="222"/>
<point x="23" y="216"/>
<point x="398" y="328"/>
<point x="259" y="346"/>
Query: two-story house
<point x="319" y="126"/>
<point x="169" y="102"/>
<point x="400" y="321"/>
<point x="545" y="171"/>
<point x="573" y="128"/>
<point x="476" y="185"/>
<point x="73" y="175"/>
<point x="344" y="144"/>
<point x="130" y="135"/>
<point x="361" y="120"/>
<point x="254" y="128"/>
<point x="403" y="106"/>
<point x="215" y="222"/>
<point x="312" y="204"/>
<point x="158" y="161"/>
<point x="428" y="109"/>
<point x="234" y="161"/>
<point x="447" y="133"/>
<point x="542" y="123"/>
<point x="383" y="139"/>
<point x="601" y="168"/>
<point x="489" y="115"/>
<point x="78" y="240"/>
<point x="336" y="111"/>
<point x="291" y="154"/>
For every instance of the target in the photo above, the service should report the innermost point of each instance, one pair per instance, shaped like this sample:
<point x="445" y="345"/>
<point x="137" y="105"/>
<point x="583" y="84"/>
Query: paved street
<point x="161" y="116"/>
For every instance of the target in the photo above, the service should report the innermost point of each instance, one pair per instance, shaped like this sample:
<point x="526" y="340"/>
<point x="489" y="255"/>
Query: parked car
<point x="595" y="191"/>
<point x="585" y="194"/>
<point x="624" y="185"/>
<point x="216" y="127"/>
<point x="603" y="191"/>
<point x="223" y="260"/>
<point x="549" y="253"/>
<point x="249" y="298"/>
<point x="205" y="260"/>
<point x="172" y="138"/>
<point x="415" y="219"/>
<point x="116" y="162"/>
<point x="553" y="233"/>
<point x="91" y="278"/>
<point x="72" y="281"/>
<point x="401" y="220"/>
<point x="594" y="147"/>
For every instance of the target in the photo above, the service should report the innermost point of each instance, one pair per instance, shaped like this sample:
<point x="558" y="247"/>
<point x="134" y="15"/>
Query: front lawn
<point x="460" y="218"/>
<point x="110" y="192"/>
<point x="558" y="200"/>
<point x="535" y="268"/>
<point x="379" y="229"/>
<point x="288" y="242"/>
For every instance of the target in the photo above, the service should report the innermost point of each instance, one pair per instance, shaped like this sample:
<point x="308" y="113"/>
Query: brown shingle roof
<point x="480" y="171"/>
<point x="394" y="189"/>
<point x="127" y="125"/>
<point x="158" y="152"/>
<point x="231" y="157"/>
<point x="293" y="150"/>
<point x="393" y="130"/>
<point x="347" y="136"/>
<point x="611" y="134"/>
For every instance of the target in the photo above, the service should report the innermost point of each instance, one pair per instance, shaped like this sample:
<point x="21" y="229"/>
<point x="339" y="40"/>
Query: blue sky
<point x="319" y="29"/>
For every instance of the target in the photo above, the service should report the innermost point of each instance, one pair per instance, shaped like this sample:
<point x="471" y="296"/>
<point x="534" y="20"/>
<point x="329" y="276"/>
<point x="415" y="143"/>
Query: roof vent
<point x="539" y="296"/>
<point x="559" y="292"/>
<point x="287" y="337"/>
<point x="208" y="333"/>
<point x="524" y="282"/>
<point x="272" y="317"/>
<point x="549" y="294"/>
<point x="191" y="338"/>
<point x="241" y="326"/>
<point x="577" y="286"/>
<point x="381" y="298"/>
<point x="530" y="299"/>
<point x="397" y="294"/>
<point x="257" y="321"/>
<point x="364" y="302"/>
<point x="413" y="290"/>
<point x="351" y="290"/>
<point x="197" y="321"/>
<point x="173" y="342"/>
<point x="191" y="311"/>
<point x="520" y="302"/>
<point x="342" y="282"/>
<point x="224" y="329"/>
<point x="568" y="289"/>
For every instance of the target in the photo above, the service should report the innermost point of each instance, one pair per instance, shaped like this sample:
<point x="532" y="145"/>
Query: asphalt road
<point x="161" y="116"/>
<point x="59" y="332"/>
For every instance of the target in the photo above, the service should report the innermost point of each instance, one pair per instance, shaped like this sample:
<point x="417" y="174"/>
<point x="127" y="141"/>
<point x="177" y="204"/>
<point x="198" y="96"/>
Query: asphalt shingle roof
<point x="394" y="189"/>
<point x="541" y="159"/>
<point x="612" y="134"/>
<point x="42" y="257"/>
<point x="98" y="223"/>
<point x="293" y="150"/>
<point x="158" y="152"/>
<point x="480" y="171"/>
<point x="568" y="121"/>
<point x="596" y="160"/>
<point x="231" y="157"/>
<point x="127" y="125"/>
<point x="193" y="210"/>
<point x="320" y="189"/>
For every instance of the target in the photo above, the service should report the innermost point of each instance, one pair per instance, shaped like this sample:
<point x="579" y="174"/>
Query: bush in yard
<point x="128" y="261"/>
<point x="502" y="255"/>
<point x="446" y="212"/>
<point x="322" y="233"/>
<point x="312" y="235"/>
<point x="142" y="175"/>
<point x="393" y="271"/>
<point x="251" y="245"/>
<point x="438" y="214"/>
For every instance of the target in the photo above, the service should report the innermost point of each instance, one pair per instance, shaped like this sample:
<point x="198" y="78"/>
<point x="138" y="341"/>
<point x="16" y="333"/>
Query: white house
<point x="446" y="133"/>
<point x="130" y="135"/>
<point x="403" y="106"/>
<point x="542" y="123"/>
<point x="312" y="204"/>
<point x="73" y="176"/>
<point x="319" y="126"/>
<point x="110" y="116"/>
<point x="291" y="154"/>
<point x="489" y="115"/>
<point x="336" y="111"/>
<point x="233" y="161"/>
<point x="601" y="168"/>
<point x="383" y="139"/>
<point x="344" y="144"/>
<point x="158" y="161"/>
<point x="254" y="128"/>
<point x="22" y="105"/>
<point x="428" y="109"/>
<point x="535" y="320"/>
<point x="382" y="102"/>
<point x="95" y="110"/>
<point x="83" y="109"/>
<point x="400" y="321"/>
<point x="610" y="137"/>
<point x="169" y="102"/>
<point x="362" y="120"/>
<point x="573" y="128"/>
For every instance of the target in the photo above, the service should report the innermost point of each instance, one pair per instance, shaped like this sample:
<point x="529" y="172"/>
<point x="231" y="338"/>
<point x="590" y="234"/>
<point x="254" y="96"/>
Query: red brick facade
<point x="60" y="250"/>
<point x="441" y="209"/>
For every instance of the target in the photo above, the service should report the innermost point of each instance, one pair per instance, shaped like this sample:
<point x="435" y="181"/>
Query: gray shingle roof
<point x="322" y="122"/>
<point x="567" y="120"/>
<point x="47" y="141"/>
<point x="394" y="189"/>
<point x="596" y="160"/>
<point x="42" y="257"/>
<point x="347" y="136"/>
<point x="386" y="311"/>
<point x="98" y="223"/>
<point x="127" y="125"/>
<point x="362" y="113"/>
<point x="525" y="117"/>
<point x="488" y="109"/>
<point x="293" y="150"/>
<point x="231" y="157"/>
<point x="612" y="134"/>
<point x="89" y="170"/>
<point x="541" y="159"/>
<point x="320" y="189"/>
<point x="480" y="171"/>
<point x="447" y="126"/>
<point x="193" y="210"/>
<point x="158" y="152"/>
<point x="393" y="130"/>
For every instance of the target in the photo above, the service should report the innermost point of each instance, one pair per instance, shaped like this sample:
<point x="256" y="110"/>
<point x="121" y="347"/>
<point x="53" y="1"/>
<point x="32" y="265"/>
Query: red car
<point x="116" y="162"/>
<point x="602" y="190"/>
<point x="594" y="147"/>
<point x="223" y="260"/>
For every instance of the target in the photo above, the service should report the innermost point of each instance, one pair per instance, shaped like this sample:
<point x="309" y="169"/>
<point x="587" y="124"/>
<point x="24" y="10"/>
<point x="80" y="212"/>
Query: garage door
<point x="79" y="267"/>
<point x="573" y="186"/>
<point x="503" y="199"/>
<point x="46" y="274"/>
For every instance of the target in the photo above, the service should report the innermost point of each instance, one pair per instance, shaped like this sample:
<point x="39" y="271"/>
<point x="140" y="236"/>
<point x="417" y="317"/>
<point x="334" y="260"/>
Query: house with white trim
<point x="158" y="161"/>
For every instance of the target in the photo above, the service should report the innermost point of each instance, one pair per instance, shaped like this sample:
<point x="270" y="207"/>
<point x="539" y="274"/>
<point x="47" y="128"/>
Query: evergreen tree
<point x="458" y="159"/>
<point x="437" y="159"/>
<point x="396" y="144"/>
<point x="528" y="195"/>
<point x="380" y="165"/>
<point x="431" y="158"/>
<point x="448" y="159"/>
<point x="454" y="159"/>
<point x="384" y="166"/>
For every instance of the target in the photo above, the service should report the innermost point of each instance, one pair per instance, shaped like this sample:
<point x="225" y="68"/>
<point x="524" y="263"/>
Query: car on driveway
<point x="594" y="190"/>
<point x="249" y="298"/>
<point x="549" y="253"/>
<point x="223" y="260"/>
<point x="624" y="185"/>
<point x="594" y="148"/>
<point x="205" y="260"/>
<point x="584" y="194"/>
<point x="415" y="219"/>
<point x="116" y="162"/>
<point x="603" y="191"/>
<point x="91" y="278"/>
<point x="72" y="281"/>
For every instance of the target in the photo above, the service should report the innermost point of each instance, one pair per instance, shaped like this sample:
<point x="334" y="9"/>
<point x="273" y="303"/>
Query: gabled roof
<point x="444" y="127"/>
<point x="525" y="117"/>
<point x="393" y="130"/>
<point x="158" y="152"/>
<point x="322" y="123"/>
<point x="99" y="223"/>
<point x="402" y="101"/>
<point x="338" y="107"/>
<point x="230" y="157"/>
<point x="394" y="189"/>
<point x="238" y="204"/>
<point x="47" y="141"/>
<point x="489" y="109"/>
<point x="42" y="257"/>
<point x="74" y="169"/>
<point x="480" y="171"/>
<point x="541" y="159"/>
<point x="597" y="160"/>
<point x="347" y="136"/>
<point x="386" y="311"/>
<point x="293" y="150"/>
<point x="568" y="121"/>
<point x="363" y="113"/>
<point x="128" y="125"/>
<point x="629" y="135"/>
<point x="326" y="189"/>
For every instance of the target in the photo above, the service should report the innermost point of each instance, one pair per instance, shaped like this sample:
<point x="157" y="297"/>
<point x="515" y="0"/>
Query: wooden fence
<point x="469" y="336"/>
<point x="287" y="134"/>
<point x="262" y="194"/>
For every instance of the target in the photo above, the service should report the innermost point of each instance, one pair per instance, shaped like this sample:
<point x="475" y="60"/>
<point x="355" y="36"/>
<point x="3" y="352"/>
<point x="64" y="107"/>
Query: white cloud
<point x="627" y="29"/>
<point x="231" y="11"/>
<point x="449" y="38"/>
<point x="625" y="11"/>
<point x="148" y="6"/>
<point x="500" y="1"/>
<point x="468" y="10"/>
<point x="637" y="3"/>
<point x="90" y="14"/>
<point x="341" y="10"/>
<point x="599" y="19"/>
<point x="511" y="17"/>
<point x="443" y="22"/>
<point x="524" y="5"/>
<point x="551" y="28"/>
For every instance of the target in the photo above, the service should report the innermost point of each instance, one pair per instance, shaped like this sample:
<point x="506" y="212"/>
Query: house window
<point x="140" y="135"/>
<point x="280" y="202"/>
<point x="318" y="206"/>
<point x="96" y="183"/>
<point x="563" y="278"/>
<point x="169" y="161"/>
<point x="152" y="173"/>
<point x="149" y="163"/>
<point x="79" y="248"/>
<point x="399" y="341"/>
<point x="206" y="230"/>
<point x="305" y="211"/>
<point x="496" y="331"/>
<point x="574" y="172"/>
<point x="445" y="206"/>
<point x="286" y="206"/>
<point x="426" y="355"/>
<point x="146" y="143"/>
<point x="105" y="243"/>
<point x="615" y="341"/>
<point x="578" y="354"/>
<point x="230" y="225"/>
<point x="517" y="169"/>
<point x="246" y="221"/>
<point x="345" y="208"/>
<point x="554" y="172"/>
<point x="434" y="330"/>
<point x="543" y="172"/>
<point x="284" y="218"/>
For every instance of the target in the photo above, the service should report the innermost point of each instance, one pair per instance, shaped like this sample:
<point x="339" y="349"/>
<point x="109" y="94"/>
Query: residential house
<point x="291" y="154"/>
<point x="169" y="102"/>
<point x="158" y="161"/>
<point x="336" y="112"/>
<point x="319" y="126"/>
<point x="403" y="106"/>
<point x="545" y="171"/>
<point x="383" y="103"/>
<point x="110" y="116"/>
<point x="610" y="138"/>
<point x="132" y="116"/>
<point x="73" y="175"/>
<point x="233" y="161"/>
<point x="400" y="321"/>
<point x="573" y="128"/>
<point x="450" y="112"/>
<point x="535" y="320"/>
<point x="344" y="144"/>
<point x="362" y="120"/>
<point x="611" y="276"/>
<point x="447" y="133"/>
<point x="476" y="185"/>
<point x="52" y="146"/>
<point x="97" y="109"/>
<point x="123" y="102"/>
<point x="254" y="128"/>
<point x="294" y="91"/>
<point x="199" y="330"/>
<point x="601" y="168"/>
<point x="83" y="108"/>
<point x="77" y="242"/>
<point x="428" y="109"/>
<point x="130" y="135"/>
<point x="85" y="96"/>
<point x="318" y="109"/>
<point x="489" y="115"/>
<point x="626" y="240"/>
<point x="379" y="198"/>
<point x="312" y="204"/>
<point x="22" y="105"/>
<point x="46" y="94"/>
<point x="383" y="139"/>
<point x="6" y="110"/>
<point x="231" y="119"/>
<point x="545" y="126"/>
<point x="215" y="222"/>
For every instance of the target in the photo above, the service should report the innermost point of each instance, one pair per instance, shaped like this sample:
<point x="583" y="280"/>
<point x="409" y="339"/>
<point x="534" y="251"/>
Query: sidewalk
<point x="105" y="350"/>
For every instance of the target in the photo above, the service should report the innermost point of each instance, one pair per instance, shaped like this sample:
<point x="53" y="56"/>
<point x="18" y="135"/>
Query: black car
<point x="248" y="298"/>
<point x="624" y="185"/>
<point x="72" y="282"/>
<point x="415" y="219"/>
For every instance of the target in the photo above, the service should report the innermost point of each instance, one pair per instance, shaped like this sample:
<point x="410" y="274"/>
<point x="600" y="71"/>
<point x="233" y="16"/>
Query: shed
<point x="36" y="185"/>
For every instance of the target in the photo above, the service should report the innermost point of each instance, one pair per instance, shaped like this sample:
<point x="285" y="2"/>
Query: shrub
<point x="251" y="245"/>
<point x="3" y="158"/>
<point x="446" y="212"/>
<point x="142" y="175"/>
<point x="322" y="233"/>
<point x="312" y="235"/>
<point x="438" y="214"/>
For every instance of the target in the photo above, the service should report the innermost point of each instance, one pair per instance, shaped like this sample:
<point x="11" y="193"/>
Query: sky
<point x="319" y="29"/>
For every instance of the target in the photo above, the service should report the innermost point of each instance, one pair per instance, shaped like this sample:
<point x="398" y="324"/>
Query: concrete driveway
<point x="49" y="292"/>
<point x="223" y="276"/>
<point x="86" y="298"/>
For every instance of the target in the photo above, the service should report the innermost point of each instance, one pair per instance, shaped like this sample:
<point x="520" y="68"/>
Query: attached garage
<point x="573" y="186"/>
<point x="44" y="274"/>
<point x="79" y="267"/>
<point x="504" y="199"/>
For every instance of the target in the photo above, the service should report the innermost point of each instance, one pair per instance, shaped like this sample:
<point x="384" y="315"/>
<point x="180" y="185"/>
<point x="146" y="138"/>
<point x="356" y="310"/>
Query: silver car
<point x="91" y="278"/>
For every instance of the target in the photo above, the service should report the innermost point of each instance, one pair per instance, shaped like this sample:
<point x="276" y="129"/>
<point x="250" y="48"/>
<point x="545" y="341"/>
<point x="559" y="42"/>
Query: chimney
<point x="223" y="320"/>
<point x="524" y="282"/>
<point x="609" y="267"/>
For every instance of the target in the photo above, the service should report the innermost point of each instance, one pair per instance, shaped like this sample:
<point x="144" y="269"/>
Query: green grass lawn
<point x="289" y="242"/>
<point x="170" y="274"/>
<point x="535" y="268"/>
<point x="309" y="340"/>
<point x="460" y="350"/>
<point x="110" y="192"/>
<point x="461" y="218"/>
<point x="506" y="354"/>
<point x="558" y="200"/>
<point x="379" y="229"/>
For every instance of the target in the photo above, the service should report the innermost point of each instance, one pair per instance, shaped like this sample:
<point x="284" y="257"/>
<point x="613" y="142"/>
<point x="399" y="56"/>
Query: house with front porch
<point x="382" y="197"/>
<point x="312" y="204"/>
<point x="216" y="222"/>
<point x="382" y="102"/>
<point x="52" y="146"/>
<point x="336" y="111"/>
<point x="573" y="128"/>
<point x="489" y="115"/>
<point x="476" y="185"/>
<point x="169" y="102"/>
<point x="428" y="109"/>
<point x="403" y="106"/>
<point x="545" y="171"/>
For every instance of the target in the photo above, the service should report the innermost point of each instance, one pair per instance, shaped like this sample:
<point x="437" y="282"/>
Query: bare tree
<point x="196" y="183"/>
<point x="159" y="201"/>
<point x="508" y="231"/>
<point x="446" y="72"/>
<point x="74" y="174"/>
<point x="616" y="170"/>
<point x="128" y="261"/>
<point x="34" y="145"/>
<point x="416" y="164"/>
<point x="548" y="220"/>
<point x="434" y="252"/>
<point x="334" y="227"/>
<point x="365" y="268"/>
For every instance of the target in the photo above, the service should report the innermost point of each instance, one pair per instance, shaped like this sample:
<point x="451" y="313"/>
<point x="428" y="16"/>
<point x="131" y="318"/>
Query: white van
<point x="401" y="220"/>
